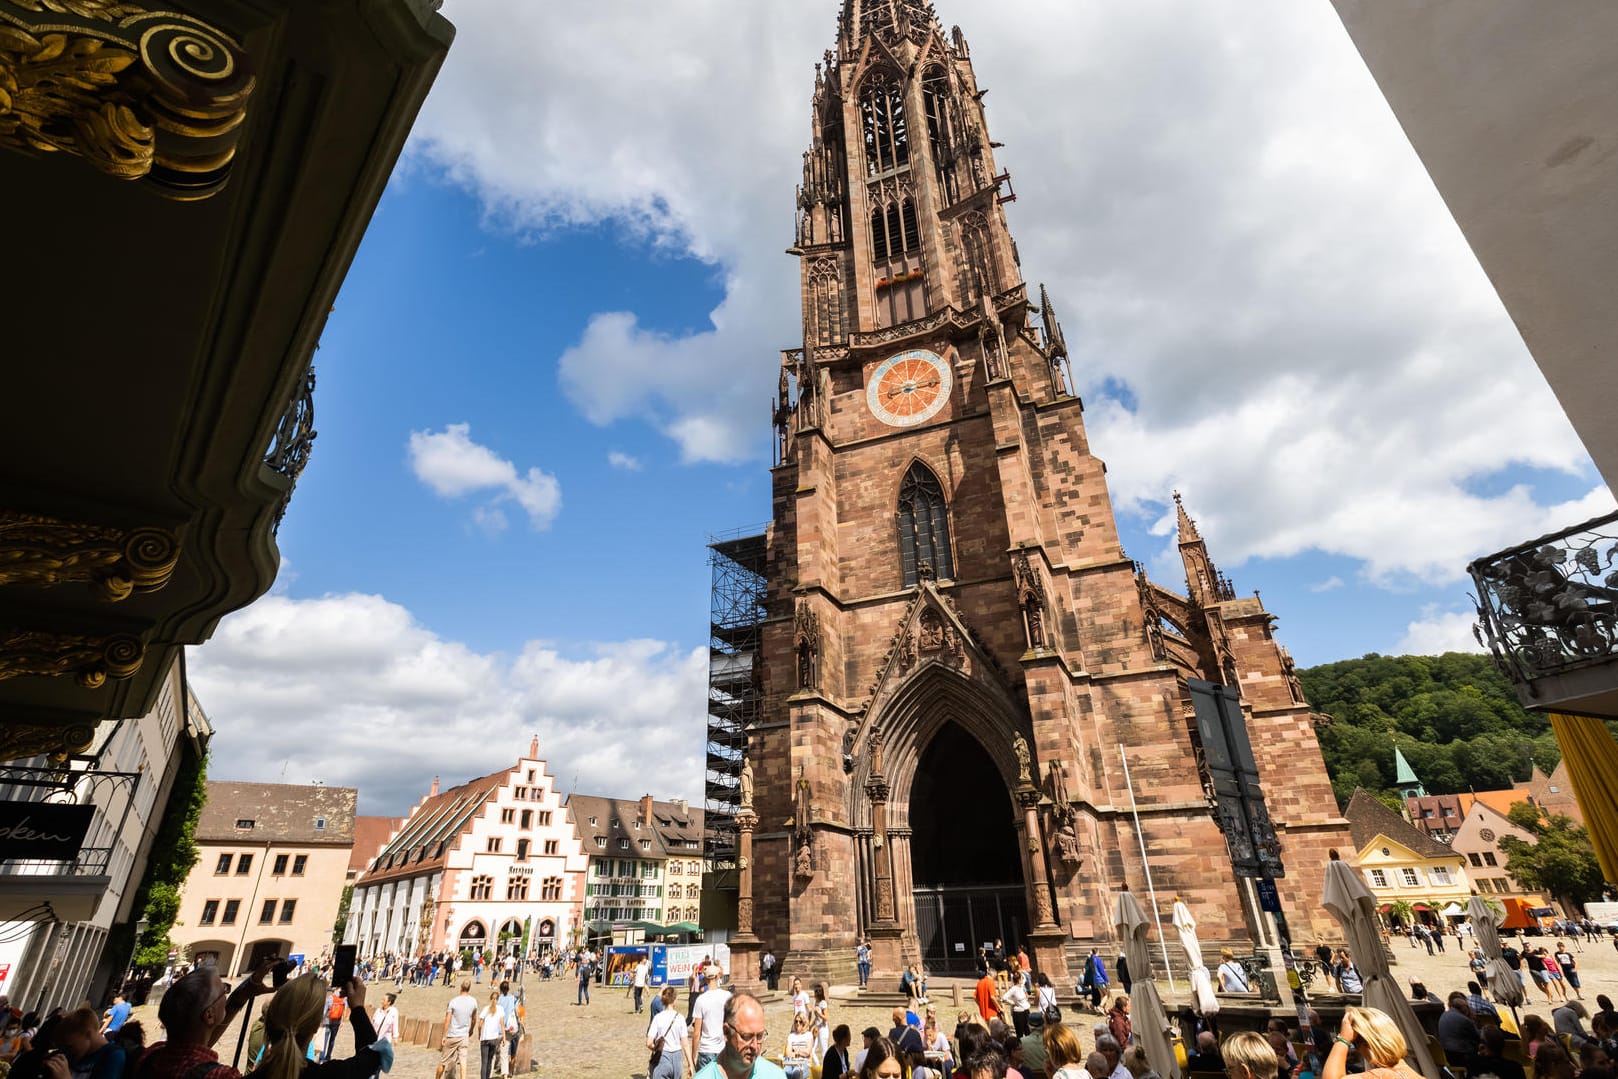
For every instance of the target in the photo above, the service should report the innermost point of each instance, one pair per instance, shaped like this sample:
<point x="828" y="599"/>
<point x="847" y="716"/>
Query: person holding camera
<point x="291" y="1020"/>
<point x="195" y="1012"/>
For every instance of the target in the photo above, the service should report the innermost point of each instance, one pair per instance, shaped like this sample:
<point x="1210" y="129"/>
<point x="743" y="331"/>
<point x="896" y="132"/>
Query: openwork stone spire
<point x="889" y="20"/>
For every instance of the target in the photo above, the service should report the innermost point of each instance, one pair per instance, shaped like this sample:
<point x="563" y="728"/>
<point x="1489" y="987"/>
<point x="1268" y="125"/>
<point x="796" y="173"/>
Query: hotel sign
<point x="43" y="830"/>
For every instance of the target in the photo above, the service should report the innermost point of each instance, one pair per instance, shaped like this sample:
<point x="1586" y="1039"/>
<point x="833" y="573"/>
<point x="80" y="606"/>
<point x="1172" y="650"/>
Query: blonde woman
<point x="1248" y="1056"/>
<point x="798" y="1059"/>
<point x="291" y="1019"/>
<point x="1380" y="1045"/>
<point x="1064" y="1056"/>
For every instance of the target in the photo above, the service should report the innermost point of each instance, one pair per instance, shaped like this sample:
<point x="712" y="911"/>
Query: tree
<point x="1401" y="913"/>
<point x="340" y="926"/>
<point x="1559" y="861"/>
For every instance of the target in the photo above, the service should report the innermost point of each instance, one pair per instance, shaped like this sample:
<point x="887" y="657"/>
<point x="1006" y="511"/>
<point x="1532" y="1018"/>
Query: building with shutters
<point x="488" y="864"/>
<point x="1402" y="863"/>
<point x="645" y="860"/>
<point x="273" y="861"/>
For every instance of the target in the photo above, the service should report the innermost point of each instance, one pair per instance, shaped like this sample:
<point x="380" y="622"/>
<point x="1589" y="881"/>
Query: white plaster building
<point x="473" y="866"/>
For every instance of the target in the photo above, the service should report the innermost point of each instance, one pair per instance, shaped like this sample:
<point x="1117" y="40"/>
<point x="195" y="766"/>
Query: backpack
<point x="337" y="1009"/>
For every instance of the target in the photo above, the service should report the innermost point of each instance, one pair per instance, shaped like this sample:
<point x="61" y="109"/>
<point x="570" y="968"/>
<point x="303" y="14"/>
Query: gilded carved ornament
<point x="145" y="95"/>
<point x="19" y="741"/>
<point x="43" y="551"/>
<point x="91" y="660"/>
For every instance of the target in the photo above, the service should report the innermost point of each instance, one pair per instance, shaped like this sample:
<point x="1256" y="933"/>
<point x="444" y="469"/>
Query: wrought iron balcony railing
<point x="1550" y="606"/>
<point x="77" y="782"/>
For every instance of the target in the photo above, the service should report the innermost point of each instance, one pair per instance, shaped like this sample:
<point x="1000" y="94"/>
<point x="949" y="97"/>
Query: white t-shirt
<point x="710" y="1008"/>
<point x="667" y="1025"/>
<point x="640" y="975"/>
<point x="493" y="1025"/>
<point x="461" y="1011"/>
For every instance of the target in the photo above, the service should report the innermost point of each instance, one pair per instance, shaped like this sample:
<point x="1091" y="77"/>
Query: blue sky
<point x="546" y="379"/>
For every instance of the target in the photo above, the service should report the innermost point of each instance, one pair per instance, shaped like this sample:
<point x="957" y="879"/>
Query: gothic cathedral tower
<point x="958" y="657"/>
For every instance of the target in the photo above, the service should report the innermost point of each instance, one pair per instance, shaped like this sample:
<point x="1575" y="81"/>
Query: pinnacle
<point x="1188" y="527"/>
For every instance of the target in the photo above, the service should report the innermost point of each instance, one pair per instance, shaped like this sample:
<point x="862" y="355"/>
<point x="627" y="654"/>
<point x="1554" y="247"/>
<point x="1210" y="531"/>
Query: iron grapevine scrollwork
<point x="294" y="440"/>
<point x="1551" y="604"/>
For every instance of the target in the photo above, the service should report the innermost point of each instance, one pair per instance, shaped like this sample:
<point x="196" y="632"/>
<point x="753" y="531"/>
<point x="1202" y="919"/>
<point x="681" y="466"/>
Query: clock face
<point x="909" y="388"/>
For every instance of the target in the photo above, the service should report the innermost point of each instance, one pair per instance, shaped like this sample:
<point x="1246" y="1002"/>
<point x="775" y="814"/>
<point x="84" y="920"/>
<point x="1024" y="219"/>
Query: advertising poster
<point x="621" y="962"/>
<point x="679" y="959"/>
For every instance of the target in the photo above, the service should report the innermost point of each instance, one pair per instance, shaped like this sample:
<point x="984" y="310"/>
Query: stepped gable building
<point x="475" y="866"/>
<point x="645" y="859"/>
<point x="272" y="863"/>
<point x="956" y="646"/>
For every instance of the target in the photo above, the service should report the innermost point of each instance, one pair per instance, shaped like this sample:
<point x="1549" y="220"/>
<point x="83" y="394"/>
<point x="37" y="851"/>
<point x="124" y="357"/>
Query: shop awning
<point x="1420" y="907"/>
<point x="1454" y="910"/>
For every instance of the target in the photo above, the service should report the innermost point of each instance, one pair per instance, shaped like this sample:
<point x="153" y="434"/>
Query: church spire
<point x="1187" y="527"/>
<point x="1203" y="581"/>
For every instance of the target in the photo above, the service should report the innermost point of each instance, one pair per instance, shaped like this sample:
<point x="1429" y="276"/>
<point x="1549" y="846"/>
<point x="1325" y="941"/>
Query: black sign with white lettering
<point x="43" y="830"/>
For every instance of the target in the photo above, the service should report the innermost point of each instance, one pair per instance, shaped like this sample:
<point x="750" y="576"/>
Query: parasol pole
<point x="1162" y="940"/>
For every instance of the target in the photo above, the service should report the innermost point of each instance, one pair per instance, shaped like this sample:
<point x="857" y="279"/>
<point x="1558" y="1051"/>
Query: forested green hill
<point x="1454" y="716"/>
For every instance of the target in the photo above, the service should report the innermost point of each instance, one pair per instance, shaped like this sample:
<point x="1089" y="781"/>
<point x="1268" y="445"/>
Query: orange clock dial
<point x="909" y="388"/>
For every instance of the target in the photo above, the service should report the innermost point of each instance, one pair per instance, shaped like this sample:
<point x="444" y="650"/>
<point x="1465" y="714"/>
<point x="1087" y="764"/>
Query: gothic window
<point x="894" y="230"/>
<point x="887" y="136"/>
<point x="981" y="270"/>
<point x="551" y="889"/>
<point x="923" y="526"/>
<point x="517" y="888"/>
<point x="826" y="301"/>
<point x="482" y="887"/>
<point x="940" y="143"/>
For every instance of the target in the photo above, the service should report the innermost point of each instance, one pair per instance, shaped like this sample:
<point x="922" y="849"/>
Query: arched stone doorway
<point x="966" y="864"/>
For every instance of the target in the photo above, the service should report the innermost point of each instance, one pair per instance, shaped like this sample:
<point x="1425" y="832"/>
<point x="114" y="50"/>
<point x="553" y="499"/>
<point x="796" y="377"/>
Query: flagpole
<point x="1162" y="940"/>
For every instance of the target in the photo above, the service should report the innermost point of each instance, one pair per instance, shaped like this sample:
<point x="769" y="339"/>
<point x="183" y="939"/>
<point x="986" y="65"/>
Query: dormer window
<point x="592" y="820"/>
<point x="244" y="823"/>
<point x="320" y="824"/>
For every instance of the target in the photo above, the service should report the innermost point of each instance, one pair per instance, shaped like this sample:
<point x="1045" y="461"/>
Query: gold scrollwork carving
<point x="141" y="95"/>
<point x="91" y="660"/>
<point x="19" y="741"/>
<point x="43" y="551"/>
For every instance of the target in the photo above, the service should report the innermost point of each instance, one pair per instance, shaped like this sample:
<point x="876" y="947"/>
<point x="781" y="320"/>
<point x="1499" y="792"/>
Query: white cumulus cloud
<point x="627" y="462"/>
<point x="1240" y="241"/>
<point x="452" y="465"/>
<point x="352" y="690"/>
<point x="1438" y="631"/>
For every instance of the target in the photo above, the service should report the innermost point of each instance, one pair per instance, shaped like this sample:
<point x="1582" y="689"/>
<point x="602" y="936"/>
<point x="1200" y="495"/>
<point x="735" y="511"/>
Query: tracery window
<point x="981" y="269"/>
<point x="482" y="887"/>
<point x="826" y="301"/>
<point x="940" y="136"/>
<point x="887" y="135"/>
<point x="517" y="887"/>
<point x="551" y="888"/>
<point x="923" y="526"/>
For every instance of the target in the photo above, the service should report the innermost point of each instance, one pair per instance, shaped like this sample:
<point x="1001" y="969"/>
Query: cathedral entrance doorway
<point x="965" y="861"/>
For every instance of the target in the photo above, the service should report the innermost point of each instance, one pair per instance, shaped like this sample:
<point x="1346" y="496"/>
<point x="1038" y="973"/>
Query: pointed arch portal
<point x="966" y="864"/>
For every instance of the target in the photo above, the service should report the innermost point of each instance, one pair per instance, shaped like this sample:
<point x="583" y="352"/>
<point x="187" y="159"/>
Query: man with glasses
<point x="743" y="1054"/>
<point x="195" y="1012"/>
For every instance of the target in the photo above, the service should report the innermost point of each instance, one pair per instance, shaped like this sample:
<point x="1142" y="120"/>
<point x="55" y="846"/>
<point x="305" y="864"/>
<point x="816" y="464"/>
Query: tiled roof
<point x="1499" y="801"/>
<point x="282" y="812"/>
<point x="1368" y="818"/>
<point x="427" y="834"/>
<point x="668" y="830"/>
<point x="370" y="835"/>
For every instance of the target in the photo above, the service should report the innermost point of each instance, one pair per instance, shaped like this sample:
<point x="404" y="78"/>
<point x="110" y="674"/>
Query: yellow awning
<point x="1592" y="765"/>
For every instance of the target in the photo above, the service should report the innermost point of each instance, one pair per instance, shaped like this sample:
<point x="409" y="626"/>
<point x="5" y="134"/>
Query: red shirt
<point x="167" y="1060"/>
<point x="988" y="1001"/>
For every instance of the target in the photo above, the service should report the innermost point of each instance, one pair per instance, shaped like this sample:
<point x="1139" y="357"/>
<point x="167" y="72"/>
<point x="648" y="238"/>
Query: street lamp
<point x="134" y="945"/>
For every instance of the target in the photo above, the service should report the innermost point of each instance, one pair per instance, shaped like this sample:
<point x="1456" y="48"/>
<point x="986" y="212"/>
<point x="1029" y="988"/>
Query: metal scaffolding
<point x="735" y="683"/>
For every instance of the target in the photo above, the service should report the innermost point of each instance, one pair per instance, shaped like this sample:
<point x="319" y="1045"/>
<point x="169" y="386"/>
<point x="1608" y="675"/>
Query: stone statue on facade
<point x="747" y="784"/>
<point x="1019" y="746"/>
